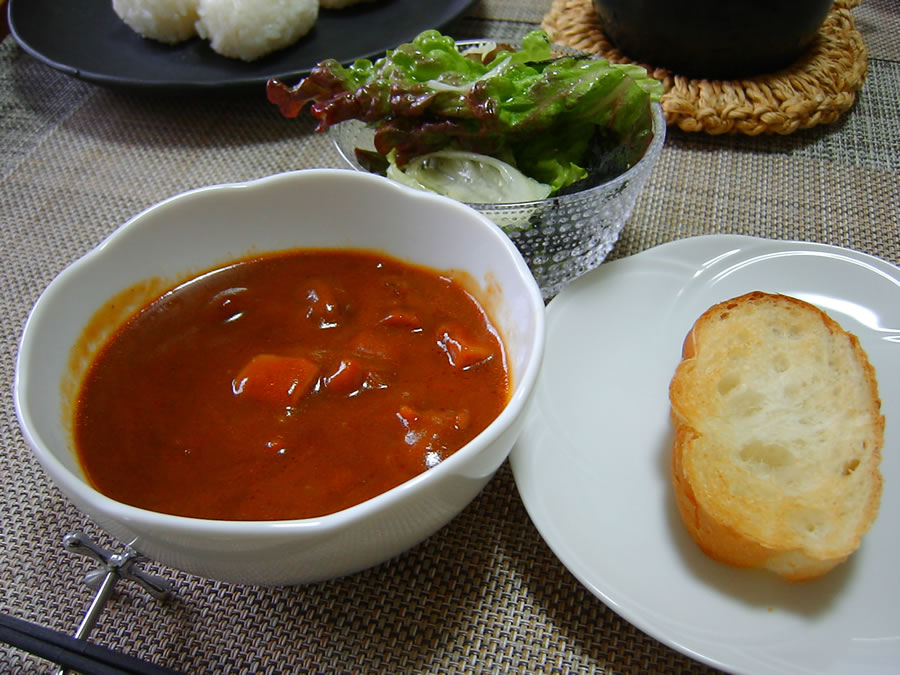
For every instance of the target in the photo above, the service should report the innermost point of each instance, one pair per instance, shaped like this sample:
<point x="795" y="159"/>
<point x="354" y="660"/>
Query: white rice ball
<point x="249" y="29"/>
<point x="168" y="21"/>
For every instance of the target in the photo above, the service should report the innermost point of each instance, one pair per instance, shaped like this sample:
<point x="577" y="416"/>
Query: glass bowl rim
<point x="658" y="126"/>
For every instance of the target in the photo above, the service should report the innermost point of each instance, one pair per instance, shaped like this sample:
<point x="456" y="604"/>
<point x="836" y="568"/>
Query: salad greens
<point x="560" y="121"/>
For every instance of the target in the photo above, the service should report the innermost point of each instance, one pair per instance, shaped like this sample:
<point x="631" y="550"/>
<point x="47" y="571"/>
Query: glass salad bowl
<point x="560" y="237"/>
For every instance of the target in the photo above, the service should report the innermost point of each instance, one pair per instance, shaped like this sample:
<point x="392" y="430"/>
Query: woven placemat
<point x="484" y="594"/>
<point x="816" y="89"/>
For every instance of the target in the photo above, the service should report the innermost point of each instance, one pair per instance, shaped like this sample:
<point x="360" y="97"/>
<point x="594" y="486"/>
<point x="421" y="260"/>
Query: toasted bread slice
<point x="778" y="436"/>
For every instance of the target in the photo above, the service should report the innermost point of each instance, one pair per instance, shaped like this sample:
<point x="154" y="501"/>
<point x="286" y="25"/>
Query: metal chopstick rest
<point x="114" y="566"/>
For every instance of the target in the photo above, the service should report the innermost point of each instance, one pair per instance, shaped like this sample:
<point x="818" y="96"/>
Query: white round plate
<point x="592" y="465"/>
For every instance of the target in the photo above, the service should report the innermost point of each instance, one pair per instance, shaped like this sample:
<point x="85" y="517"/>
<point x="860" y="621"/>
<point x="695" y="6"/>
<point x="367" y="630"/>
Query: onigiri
<point x="168" y="21"/>
<point x="250" y="29"/>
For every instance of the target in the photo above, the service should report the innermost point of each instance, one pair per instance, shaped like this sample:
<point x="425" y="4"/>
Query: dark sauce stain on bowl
<point x="101" y="325"/>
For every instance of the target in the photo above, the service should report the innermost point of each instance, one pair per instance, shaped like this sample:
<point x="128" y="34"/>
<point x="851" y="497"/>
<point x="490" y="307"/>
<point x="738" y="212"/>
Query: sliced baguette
<point x="778" y="436"/>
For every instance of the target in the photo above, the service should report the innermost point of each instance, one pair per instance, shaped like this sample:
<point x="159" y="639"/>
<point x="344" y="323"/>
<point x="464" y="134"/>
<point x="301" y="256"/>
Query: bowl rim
<point x="144" y="519"/>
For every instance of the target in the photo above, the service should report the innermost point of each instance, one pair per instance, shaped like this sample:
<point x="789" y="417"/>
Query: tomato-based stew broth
<point x="288" y="386"/>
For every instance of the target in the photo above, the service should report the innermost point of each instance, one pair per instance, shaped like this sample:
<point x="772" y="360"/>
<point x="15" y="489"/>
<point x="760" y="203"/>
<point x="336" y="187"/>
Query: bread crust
<point x="752" y="489"/>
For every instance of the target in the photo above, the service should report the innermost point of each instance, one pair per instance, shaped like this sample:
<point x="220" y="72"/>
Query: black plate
<point x="86" y="39"/>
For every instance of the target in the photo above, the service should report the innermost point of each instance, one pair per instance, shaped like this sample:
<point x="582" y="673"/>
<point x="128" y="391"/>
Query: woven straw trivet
<point x="816" y="89"/>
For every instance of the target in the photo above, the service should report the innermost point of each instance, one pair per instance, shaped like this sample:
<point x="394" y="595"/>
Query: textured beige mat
<point x="484" y="594"/>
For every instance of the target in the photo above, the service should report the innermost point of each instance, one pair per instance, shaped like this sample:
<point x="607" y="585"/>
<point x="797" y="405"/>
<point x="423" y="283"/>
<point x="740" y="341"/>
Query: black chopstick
<point x="73" y="653"/>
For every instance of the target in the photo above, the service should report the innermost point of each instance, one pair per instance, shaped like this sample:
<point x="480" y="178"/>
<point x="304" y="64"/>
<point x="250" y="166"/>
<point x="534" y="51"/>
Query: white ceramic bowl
<point x="204" y="228"/>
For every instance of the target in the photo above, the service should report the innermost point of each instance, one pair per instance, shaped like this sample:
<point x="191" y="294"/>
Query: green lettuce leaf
<point x="540" y="114"/>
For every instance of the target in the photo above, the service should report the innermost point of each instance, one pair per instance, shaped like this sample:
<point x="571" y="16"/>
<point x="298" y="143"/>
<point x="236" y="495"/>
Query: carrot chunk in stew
<point x="461" y="350"/>
<point x="428" y="431"/>
<point x="321" y="303"/>
<point x="402" y="318"/>
<point x="458" y="420"/>
<point x="280" y="380"/>
<point x="347" y="378"/>
<point x="373" y="344"/>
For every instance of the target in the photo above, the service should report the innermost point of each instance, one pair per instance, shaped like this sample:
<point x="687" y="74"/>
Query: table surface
<point x="485" y="592"/>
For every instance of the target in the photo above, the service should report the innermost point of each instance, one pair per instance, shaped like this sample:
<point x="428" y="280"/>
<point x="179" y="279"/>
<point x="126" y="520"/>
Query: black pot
<point x="714" y="39"/>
